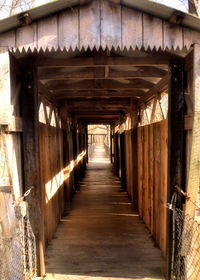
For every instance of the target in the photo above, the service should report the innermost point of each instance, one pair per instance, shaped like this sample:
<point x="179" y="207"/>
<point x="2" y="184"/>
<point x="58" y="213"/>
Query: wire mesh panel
<point x="186" y="247"/>
<point x="18" y="251"/>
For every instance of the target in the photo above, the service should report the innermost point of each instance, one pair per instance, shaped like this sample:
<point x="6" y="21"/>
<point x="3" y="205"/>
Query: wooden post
<point x="29" y="109"/>
<point x="175" y="142"/>
<point x="194" y="157"/>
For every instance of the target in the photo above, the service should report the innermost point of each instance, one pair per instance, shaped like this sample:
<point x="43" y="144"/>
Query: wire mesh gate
<point x="18" y="251"/>
<point x="186" y="247"/>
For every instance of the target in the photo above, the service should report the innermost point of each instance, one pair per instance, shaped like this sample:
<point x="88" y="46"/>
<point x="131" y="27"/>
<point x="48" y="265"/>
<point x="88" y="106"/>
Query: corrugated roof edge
<point x="146" y="6"/>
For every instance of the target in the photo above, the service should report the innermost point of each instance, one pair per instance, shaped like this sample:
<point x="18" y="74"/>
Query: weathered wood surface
<point x="152" y="179"/>
<point x="102" y="237"/>
<point x="101" y="23"/>
<point x="52" y="176"/>
<point x="193" y="137"/>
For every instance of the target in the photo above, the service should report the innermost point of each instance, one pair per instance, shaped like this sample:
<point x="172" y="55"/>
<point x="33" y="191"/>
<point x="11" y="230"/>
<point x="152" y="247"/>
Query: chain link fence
<point x="18" y="250"/>
<point x="186" y="231"/>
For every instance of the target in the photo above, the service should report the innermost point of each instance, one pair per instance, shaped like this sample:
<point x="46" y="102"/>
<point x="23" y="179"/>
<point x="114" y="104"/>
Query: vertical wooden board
<point x="131" y="165"/>
<point x="146" y="176"/>
<point x="26" y="37"/>
<point x="90" y="25"/>
<point x="7" y="39"/>
<point x="157" y="181"/>
<point x="110" y="25"/>
<point x="152" y="32"/>
<point x="140" y="169"/>
<point x="135" y="167"/>
<point x="47" y="33"/>
<point x="151" y="176"/>
<point x="68" y="29"/>
<point x="163" y="192"/>
<point x="173" y="36"/>
<point x="190" y="37"/>
<point x="131" y="28"/>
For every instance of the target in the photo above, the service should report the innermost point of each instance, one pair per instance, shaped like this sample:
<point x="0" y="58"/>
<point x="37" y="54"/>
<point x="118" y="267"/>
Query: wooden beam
<point x="96" y="61"/>
<point x="68" y="94"/>
<point x="96" y="113"/>
<point x="99" y="73"/>
<point x="44" y="91"/>
<point x="99" y="102"/>
<point x="161" y="86"/>
<point x="98" y="84"/>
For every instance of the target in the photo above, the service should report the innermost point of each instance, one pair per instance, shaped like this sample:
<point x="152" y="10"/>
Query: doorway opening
<point x="99" y="143"/>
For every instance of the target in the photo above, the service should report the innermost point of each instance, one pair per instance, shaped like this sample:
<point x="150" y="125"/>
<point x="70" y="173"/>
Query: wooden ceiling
<point x="101" y="85"/>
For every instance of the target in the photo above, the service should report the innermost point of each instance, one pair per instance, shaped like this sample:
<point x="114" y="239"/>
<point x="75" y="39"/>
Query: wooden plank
<point x="99" y="73"/>
<point x="100" y="60"/>
<point x="99" y="84"/>
<point x="153" y="26"/>
<point x="173" y="36"/>
<point x="90" y="25"/>
<point x="160" y="87"/>
<point x="26" y="37"/>
<point x="151" y="177"/>
<point x="110" y="25"/>
<point x="146" y="177"/>
<point x="7" y="39"/>
<point x="135" y="166"/>
<point x="131" y="28"/>
<point x="140" y="170"/>
<point x="190" y="37"/>
<point x="163" y="187"/>
<point x="157" y="180"/>
<point x="47" y="33"/>
<point x="68" y="29"/>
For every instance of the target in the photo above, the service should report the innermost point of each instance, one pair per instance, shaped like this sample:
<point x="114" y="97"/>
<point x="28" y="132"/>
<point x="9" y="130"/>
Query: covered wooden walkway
<point x="102" y="237"/>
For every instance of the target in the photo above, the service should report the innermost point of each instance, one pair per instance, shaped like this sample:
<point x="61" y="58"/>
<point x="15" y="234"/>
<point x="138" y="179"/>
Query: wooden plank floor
<point x="102" y="238"/>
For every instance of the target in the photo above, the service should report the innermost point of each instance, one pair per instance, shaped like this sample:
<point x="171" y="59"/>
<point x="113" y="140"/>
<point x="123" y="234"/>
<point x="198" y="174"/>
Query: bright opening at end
<point x="99" y="143"/>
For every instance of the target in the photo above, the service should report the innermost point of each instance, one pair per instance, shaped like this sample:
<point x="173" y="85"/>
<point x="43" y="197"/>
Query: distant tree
<point x="194" y="7"/>
<point x="11" y="7"/>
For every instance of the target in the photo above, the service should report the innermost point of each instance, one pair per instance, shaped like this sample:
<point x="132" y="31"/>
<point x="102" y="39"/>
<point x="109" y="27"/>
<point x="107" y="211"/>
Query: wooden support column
<point x="175" y="142"/>
<point x="192" y="185"/>
<point x="29" y="109"/>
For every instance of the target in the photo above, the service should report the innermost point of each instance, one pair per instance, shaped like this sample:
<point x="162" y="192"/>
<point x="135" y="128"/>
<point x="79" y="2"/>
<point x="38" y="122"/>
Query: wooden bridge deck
<point x="102" y="238"/>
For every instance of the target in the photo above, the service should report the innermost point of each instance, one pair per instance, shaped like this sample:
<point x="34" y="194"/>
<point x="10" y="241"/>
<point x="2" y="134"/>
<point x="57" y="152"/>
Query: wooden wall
<point x="152" y="179"/>
<point x="100" y="23"/>
<point x="62" y="163"/>
<point x="131" y="165"/>
<point x="52" y="177"/>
